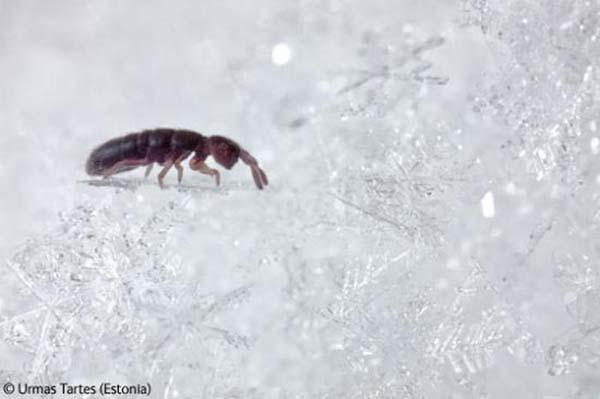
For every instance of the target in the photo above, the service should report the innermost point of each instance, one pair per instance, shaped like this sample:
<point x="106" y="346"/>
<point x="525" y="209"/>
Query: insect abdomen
<point x="118" y="149"/>
<point x="147" y="147"/>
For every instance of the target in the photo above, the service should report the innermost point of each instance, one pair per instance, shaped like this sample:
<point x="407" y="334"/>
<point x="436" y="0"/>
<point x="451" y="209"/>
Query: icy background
<point x="432" y="228"/>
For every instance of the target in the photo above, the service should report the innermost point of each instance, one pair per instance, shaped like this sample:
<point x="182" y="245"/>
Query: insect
<point x="168" y="148"/>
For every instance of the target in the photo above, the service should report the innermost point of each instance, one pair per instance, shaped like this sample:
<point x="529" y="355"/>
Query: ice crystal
<point x="110" y="283"/>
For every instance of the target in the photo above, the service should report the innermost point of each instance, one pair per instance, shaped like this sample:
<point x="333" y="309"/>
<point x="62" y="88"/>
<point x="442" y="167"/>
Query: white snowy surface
<point x="432" y="227"/>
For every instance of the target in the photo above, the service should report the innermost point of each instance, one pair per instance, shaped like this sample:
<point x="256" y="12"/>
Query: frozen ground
<point x="431" y="229"/>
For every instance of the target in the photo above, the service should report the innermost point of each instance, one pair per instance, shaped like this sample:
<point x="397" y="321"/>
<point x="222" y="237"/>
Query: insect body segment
<point x="169" y="148"/>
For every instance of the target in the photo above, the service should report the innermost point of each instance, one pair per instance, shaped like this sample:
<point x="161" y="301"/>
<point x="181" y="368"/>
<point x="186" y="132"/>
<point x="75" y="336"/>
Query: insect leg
<point x="178" y="166"/>
<point x="201" y="167"/>
<point x="163" y="173"/>
<point x="148" y="170"/>
<point x="179" y="171"/>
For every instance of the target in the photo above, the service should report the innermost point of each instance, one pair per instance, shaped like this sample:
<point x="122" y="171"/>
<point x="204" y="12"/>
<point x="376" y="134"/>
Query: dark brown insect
<point x="168" y="148"/>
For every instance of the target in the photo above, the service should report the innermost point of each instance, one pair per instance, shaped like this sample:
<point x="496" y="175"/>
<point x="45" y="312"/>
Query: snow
<point x="488" y="208"/>
<point x="430" y="229"/>
<point x="281" y="54"/>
